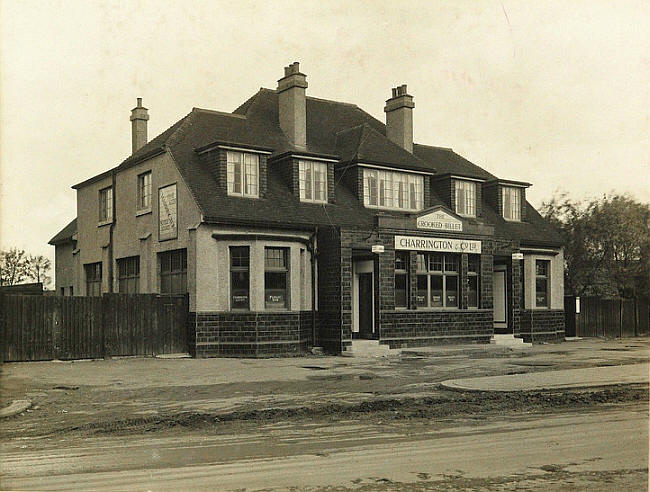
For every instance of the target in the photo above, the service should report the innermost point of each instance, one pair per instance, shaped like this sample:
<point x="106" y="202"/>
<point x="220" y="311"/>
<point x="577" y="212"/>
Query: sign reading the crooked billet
<point x="439" y="221"/>
<point x="437" y="244"/>
<point x="167" y="213"/>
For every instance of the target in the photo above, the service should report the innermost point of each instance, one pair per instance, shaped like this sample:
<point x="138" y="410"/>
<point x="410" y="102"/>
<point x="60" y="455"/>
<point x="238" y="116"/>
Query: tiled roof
<point x="447" y="161"/>
<point x="333" y="129"/>
<point x="65" y="234"/>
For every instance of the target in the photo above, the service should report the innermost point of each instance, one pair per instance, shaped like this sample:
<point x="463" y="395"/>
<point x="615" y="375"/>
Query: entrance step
<point x="369" y="348"/>
<point x="509" y="341"/>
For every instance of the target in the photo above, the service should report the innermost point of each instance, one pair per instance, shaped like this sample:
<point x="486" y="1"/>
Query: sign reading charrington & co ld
<point x="437" y="244"/>
<point x="439" y="221"/>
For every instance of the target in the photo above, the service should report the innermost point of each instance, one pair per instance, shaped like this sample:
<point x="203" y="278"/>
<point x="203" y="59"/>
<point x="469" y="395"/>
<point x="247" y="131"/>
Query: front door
<point x="365" y="306"/>
<point x="500" y="302"/>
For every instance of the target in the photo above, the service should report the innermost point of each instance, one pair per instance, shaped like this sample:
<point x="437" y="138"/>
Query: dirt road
<point x="605" y="449"/>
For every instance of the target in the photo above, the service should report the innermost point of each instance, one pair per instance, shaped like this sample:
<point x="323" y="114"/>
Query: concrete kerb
<point x="592" y="377"/>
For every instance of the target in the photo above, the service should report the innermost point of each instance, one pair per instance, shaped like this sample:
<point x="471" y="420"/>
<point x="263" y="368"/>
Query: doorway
<point x="363" y="300"/>
<point x="500" y="299"/>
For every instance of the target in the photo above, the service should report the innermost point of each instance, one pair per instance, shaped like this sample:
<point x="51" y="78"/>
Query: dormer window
<point x="243" y="174"/>
<point x="465" y="192"/>
<point x="511" y="199"/>
<point x="393" y="190"/>
<point x="313" y="181"/>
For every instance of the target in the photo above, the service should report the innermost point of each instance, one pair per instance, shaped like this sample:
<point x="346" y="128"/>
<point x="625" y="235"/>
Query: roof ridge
<point x="434" y="147"/>
<point x="181" y="128"/>
<point x="222" y="113"/>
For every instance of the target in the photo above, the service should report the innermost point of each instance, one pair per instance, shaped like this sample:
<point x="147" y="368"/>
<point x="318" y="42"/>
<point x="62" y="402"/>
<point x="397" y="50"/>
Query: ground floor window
<point x="128" y="274"/>
<point x="437" y="280"/>
<point x="173" y="271"/>
<point x="239" y="277"/>
<point x="473" y="280"/>
<point x="401" y="279"/>
<point x="542" y="270"/>
<point x="93" y="279"/>
<point x="276" y="283"/>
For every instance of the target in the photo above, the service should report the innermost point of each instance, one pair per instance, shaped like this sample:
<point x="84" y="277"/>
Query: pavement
<point x="554" y="380"/>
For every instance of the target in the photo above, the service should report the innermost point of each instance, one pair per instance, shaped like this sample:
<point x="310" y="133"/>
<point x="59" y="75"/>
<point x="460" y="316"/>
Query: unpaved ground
<point x="151" y="394"/>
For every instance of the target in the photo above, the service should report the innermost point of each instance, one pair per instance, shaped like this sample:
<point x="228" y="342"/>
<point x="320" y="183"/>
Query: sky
<point x="554" y="93"/>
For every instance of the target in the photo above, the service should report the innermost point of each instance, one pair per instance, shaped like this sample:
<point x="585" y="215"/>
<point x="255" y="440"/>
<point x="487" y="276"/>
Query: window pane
<point x="541" y="293"/>
<point x="451" y="292"/>
<point x="436" y="291"/>
<point x="451" y="263"/>
<point x="421" y="263"/>
<point x="473" y="263"/>
<point x="275" y="289"/>
<point x="435" y="264"/>
<point x="401" y="260"/>
<point x="541" y="267"/>
<point x="320" y="180"/>
<point x="371" y="187"/>
<point x="239" y="290"/>
<point x="400" y="290"/>
<point x="422" y="291"/>
<point x="239" y="256"/>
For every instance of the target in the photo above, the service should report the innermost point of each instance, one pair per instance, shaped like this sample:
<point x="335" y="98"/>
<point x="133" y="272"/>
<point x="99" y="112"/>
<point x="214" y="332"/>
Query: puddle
<point x="315" y="368"/>
<point x="617" y="349"/>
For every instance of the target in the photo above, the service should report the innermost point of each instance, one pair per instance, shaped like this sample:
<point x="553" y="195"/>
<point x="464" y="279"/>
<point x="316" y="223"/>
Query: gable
<point x="439" y="219"/>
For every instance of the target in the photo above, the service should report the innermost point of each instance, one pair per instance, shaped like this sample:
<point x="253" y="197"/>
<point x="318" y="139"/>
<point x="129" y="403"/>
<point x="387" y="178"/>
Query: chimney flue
<point x="399" y="118"/>
<point x="292" y="112"/>
<point x="139" y="118"/>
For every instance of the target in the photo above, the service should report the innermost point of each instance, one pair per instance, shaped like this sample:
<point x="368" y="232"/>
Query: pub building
<point x="296" y="222"/>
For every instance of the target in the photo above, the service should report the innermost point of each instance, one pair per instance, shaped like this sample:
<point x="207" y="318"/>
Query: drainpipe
<point x="313" y="253"/>
<point x="110" y="233"/>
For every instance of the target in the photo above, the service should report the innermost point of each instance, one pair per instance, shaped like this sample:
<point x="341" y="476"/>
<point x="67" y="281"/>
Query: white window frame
<point x="393" y="190"/>
<point x="106" y="205"/>
<point x="511" y="202"/>
<point x="465" y="202"/>
<point x="143" y="194"/>
<point x="307" y="171"/>
<point x="243" y="174"/>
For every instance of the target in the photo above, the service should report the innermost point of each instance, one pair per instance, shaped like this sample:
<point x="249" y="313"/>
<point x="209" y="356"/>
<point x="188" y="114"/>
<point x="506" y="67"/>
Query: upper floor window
<point x="106" y="205"/>
<point x="144" y="191"/>
<point x="392" y="189"/>
<point x="511" y="198"/>
<point x="313" y="181"/>
<point x="465" y="198"/>
<point x="243" y="170"/>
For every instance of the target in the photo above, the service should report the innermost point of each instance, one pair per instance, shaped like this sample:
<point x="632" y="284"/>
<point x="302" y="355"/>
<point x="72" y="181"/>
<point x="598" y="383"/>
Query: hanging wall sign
<point x="167" y="213"/>
<point x="439" y="221"/>
<point x="437" y="244"/>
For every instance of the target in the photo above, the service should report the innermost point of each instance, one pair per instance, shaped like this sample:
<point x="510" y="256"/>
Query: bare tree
<point x="13" y="266"/>
<point x="38" y="269"/>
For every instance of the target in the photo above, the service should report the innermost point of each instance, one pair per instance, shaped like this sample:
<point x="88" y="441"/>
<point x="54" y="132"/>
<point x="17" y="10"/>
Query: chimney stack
<point x="139" y="117"/>
<point x="399" y="118"/>
<point x="291" y="105"/>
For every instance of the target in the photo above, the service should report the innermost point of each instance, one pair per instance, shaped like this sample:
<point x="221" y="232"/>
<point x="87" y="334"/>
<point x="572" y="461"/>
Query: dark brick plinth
<point x="401" y="329"/>
<point x="250" y="334"/>
<point x="542" y="325"/>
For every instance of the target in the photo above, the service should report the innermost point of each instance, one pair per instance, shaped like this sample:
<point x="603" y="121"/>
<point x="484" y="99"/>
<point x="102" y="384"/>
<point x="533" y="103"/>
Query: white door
<point x="499" y="295"/>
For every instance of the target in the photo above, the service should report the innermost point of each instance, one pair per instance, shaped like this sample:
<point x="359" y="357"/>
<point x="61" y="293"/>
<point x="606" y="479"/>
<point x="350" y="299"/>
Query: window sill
<point x="512" y="220"/>
<point x="104" y="222"/>
<point x="249" y="197"/>
<point x="143" y="211"/>
<point x="466" y="215"/>
<point x="314" y="202"/>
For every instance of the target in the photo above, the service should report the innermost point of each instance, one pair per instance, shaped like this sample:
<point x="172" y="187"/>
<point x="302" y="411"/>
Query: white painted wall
<point x="213" y="268"/>
<point x="557" y="279"/>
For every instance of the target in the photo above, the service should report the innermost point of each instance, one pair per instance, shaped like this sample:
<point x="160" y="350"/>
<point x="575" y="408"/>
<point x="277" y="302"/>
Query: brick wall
<point x="542" y="325"/>
<point x="249" y="334"/>
<point x="401" y="329"/>
<point x="444" y="188"/>
<point x="329" y="290"/>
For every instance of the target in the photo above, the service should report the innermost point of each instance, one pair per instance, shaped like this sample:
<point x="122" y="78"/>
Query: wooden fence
<point x="45" y="328"/>
<point x="614" y="318"/>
